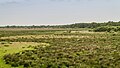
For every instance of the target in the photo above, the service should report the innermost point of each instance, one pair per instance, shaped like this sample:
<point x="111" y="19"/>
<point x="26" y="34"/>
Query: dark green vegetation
<point x="107" y="29"/>
<point x="76" y="25"/>
<point x="67" y="49"/>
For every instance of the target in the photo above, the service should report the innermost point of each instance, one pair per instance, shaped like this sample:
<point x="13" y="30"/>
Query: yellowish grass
<point x="44" y="36"/>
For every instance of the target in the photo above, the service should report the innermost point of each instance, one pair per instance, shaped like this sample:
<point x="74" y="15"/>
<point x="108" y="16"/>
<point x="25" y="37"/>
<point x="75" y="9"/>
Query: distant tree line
<point x="76" y="25"/>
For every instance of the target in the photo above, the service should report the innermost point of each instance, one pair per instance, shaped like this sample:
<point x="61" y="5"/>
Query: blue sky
<point x="52" y="12"/>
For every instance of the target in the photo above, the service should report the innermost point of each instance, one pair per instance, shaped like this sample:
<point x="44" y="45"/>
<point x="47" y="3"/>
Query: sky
<point x="53" y="12"/>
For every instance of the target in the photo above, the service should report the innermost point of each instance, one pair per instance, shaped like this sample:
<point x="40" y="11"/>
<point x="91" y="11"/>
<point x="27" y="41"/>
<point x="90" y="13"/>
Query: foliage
<point x="93" y="50"/>
<point x="107" y="29"/>
<point x="76" y="25"/>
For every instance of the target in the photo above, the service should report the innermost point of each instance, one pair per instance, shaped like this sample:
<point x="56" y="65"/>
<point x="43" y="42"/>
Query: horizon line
<point x="52" y="24"/>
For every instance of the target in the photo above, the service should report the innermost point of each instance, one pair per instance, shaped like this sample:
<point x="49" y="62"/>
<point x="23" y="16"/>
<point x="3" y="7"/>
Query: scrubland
<point x="60" y="48"/>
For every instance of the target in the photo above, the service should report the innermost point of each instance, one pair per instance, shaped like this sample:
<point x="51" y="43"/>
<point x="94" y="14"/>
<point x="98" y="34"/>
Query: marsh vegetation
<point x="59" y="49"/>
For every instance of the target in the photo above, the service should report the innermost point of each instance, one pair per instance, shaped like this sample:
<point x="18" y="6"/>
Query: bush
<point x="106" y="29"/>
<point x="6" y="45"/>
<point x="100" y="50"/>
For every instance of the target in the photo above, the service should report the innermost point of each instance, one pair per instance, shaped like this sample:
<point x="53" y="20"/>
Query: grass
<point x="15" y="47"/>
<point x="78" y="48"/>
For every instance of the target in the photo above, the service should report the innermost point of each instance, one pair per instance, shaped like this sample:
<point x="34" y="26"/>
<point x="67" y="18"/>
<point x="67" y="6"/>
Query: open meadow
<point x="59" y="48"/>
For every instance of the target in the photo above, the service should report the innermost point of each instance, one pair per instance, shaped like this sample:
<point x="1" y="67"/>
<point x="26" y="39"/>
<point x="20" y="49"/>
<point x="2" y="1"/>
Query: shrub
<point x="106" y="29"/>
<point x="6" y="45"/>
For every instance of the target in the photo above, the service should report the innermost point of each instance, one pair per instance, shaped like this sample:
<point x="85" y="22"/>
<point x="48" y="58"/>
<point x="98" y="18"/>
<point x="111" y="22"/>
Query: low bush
<point x="106" y="29"/>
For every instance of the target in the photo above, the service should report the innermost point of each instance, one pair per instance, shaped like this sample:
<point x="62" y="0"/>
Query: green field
<point x="59" y="48"/>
